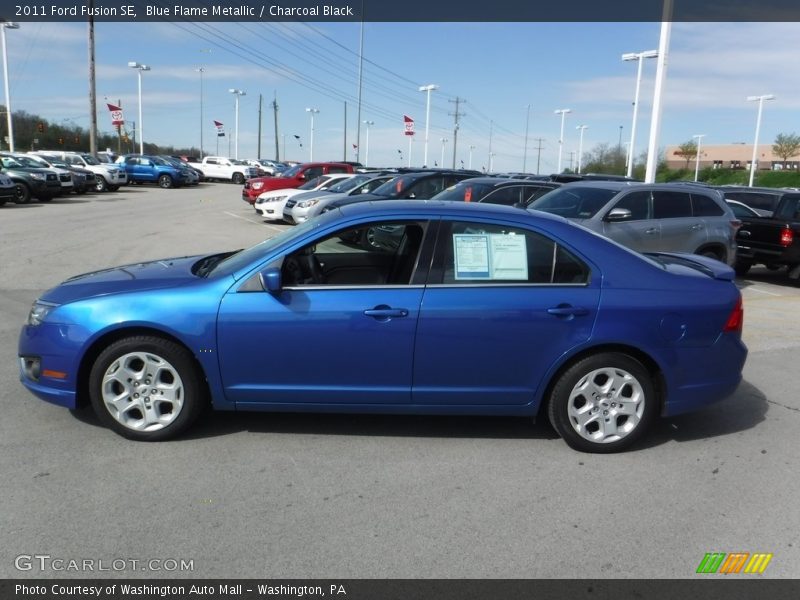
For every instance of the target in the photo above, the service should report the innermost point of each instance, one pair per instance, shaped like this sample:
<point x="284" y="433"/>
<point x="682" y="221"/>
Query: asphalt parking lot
<point x="303" y="496"/>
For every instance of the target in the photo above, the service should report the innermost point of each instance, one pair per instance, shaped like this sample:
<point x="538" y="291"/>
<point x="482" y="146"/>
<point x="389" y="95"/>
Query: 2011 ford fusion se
<point x="478" y="309"/>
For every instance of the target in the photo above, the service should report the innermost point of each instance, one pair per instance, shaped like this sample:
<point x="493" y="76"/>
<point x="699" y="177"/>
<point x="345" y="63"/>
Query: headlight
<point x="257" y="185"/>
<point x="39" y="311"/>
<point x="276" y="199"/>
<point x="39" y="176"/>
<point x="307" y="203"/>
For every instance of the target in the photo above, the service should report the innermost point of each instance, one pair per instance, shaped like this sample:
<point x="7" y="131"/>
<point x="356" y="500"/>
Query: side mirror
<point x="271" y="280"/>
<point x="619" y="214"/>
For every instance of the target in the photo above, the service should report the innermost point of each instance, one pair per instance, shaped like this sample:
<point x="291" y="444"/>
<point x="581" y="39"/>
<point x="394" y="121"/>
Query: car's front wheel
<point x="22" y="193"/>
<point x="100" y="184"/>
<point x="165" y="181"/>
<point x="146" y="388"/>
<point x="603" y="403"/>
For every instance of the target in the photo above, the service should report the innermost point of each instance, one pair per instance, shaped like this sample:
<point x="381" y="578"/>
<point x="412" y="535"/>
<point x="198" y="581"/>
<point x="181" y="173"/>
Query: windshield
<point x="347" y="183"/>
<point x="29" y="162"/>
<point x="90" y="160"/>
<point x="314" y="183"/>
<point x="394" y="188"/>
<point x="465" y="192"/>
<point x="574" y="202"/>
<point x="244" y="257"/>
<point x="9" y="163"/>
<point x="291" y="172"/>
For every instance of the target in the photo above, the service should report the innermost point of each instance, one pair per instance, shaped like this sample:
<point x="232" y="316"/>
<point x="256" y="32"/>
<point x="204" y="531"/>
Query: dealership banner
<point x="116" y="115"/>
<point x="220" y="129"/>
<point x="408" y="122"/>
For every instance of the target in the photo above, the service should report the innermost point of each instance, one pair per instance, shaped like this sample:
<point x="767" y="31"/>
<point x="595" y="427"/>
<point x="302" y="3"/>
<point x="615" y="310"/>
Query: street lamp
<point x="312" y="112"/>
<point x="471" y="148"/>
<point x="581" y="128"/>
<point x="366" y="153"/>
<point x="237" y="93"/>
<point x="444" y="142"/>
<point x="201" y="70"/>
<point x="428" y="89"/>
<point x="563" y="112"/>
<point x="699" y="137"/>
<point x="8" y="25"/>
<point x="639" y="58"/>
<point x="760" y="100"/>
<point x="139" y="68"/>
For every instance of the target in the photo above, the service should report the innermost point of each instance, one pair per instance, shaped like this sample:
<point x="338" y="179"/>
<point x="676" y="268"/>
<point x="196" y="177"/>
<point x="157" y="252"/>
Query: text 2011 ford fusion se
<point x="477" y="309"/>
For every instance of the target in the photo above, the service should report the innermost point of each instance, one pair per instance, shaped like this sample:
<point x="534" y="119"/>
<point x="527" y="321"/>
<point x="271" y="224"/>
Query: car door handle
<point x="651" y="231"/>
<point x="566" y="310"/>
<point x="696" y="227"/>
<point x="385" y="312"/>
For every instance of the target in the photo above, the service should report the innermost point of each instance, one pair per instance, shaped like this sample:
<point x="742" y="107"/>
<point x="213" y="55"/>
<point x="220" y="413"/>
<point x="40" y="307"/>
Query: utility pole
<point x="275" y="113"/>
<point x="538" y="152"/>
<point x="258" y="154"/>
<point x="456" y="114"/>
<point x="491" y="128"/>
<point x="344" y="156"/>
<point x="525" y="148"/>
<point x="92" y="89"/>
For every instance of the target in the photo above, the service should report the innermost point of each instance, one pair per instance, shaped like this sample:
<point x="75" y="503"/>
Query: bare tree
<point x="786" y="145"/>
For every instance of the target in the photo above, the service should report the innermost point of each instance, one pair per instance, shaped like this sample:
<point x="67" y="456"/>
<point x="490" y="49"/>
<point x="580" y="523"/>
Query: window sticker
<point x="490" y="256"/>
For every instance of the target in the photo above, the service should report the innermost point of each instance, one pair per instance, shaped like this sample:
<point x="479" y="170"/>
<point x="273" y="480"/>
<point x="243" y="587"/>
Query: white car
<point x="302" y="207"/>
<point x="270" y="204"/>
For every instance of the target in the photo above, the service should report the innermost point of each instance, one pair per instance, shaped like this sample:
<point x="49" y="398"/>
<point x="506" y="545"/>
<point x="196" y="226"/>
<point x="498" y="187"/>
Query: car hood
<point x="157" y="274"/>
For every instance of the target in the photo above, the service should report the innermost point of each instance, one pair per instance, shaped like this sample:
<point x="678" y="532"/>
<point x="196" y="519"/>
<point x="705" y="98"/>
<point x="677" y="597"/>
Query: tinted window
<point x="337" y="170"/>
<point x="704" y="206"/>
<point x="790" y="209"/>
<point x="671" y="205"/>
<point x="574" y="202"/>
<point x="425" y="188"/>
<point x="534" y="192"/>
<point x="466" y="191"/>
<point x="477" y="253"/>
<point x="638" y="203"/>
<point x="759" y="200"/>
<point x="312" y="172"/>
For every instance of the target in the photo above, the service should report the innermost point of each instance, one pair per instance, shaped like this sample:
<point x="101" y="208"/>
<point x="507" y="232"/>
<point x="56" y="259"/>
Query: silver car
<point x="650" y="217"/>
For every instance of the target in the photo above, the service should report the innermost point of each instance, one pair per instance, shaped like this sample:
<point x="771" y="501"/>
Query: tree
<point x="687" y="150"/>
<point x="604" y="158"/>
<point x="786" y="145"/>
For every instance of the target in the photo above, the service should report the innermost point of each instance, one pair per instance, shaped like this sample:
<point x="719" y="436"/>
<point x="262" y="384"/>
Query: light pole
<point x="444" y="143"/>
<point x="639" y="58"/>
<point x="471" y="148"/>
<point x="581" y="128"/>
<point x="525" y="148"/>
<point x="237" y="93"/>
<point x="139" y="68"/>
<point x="8" y="25"/>
<point x="201" y="70"/>
<point x="563" y="112"/>
<point x="366" y="151"/>
<point x="428" y="89"/>
<point x="699" y="137"/>
<point x="312" y="112"/>
<point x="760" y="100"/>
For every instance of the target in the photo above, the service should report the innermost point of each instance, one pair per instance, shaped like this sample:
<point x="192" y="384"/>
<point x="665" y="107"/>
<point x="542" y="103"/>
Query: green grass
<point x="776" y="179"/>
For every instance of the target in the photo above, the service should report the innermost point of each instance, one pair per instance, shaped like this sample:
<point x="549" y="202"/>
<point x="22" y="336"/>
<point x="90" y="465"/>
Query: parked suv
<point x="30" y="182"/>
<point x="650" y="217"/>
<point x="107" y="176"/>
<point x="153" y="169"/>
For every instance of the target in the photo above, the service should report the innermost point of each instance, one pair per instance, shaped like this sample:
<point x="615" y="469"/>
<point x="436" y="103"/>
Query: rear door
<point x="681" y="231"/>
<point x="502" y="304"/>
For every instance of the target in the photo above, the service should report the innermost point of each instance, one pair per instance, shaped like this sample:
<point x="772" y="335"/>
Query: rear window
<point x="760" y="200"/>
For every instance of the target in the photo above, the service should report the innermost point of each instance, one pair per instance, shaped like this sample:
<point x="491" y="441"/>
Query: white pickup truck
<point x="226" y="169"/>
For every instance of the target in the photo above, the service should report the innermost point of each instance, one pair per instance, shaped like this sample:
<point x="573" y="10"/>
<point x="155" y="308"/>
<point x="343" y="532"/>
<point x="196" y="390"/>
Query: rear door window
<point x="704" y="206"/>
<point x="671" y="205"/>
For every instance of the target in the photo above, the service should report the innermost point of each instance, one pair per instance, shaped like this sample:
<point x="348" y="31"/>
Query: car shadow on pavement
<point x="13" y="206"/>
<point x="742" y="411"/>
<point x="745" y="409"/>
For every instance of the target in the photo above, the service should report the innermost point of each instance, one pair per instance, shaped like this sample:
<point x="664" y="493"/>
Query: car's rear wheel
<point x="603" y="403"/>
<point x="165" y="181"/>
<point x="238" y="178"/>
<point x="146" y="388"/>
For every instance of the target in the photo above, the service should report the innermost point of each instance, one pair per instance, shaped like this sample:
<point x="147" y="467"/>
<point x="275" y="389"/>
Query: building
<point x="730" y="156"/>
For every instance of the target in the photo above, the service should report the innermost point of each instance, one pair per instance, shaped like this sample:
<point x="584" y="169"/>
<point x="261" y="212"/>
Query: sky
<point x="497" y="70"/>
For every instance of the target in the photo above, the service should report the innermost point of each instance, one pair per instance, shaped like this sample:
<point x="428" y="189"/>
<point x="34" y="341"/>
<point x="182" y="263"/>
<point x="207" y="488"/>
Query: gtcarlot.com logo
<point x="734" y="563"/>
<point x="46" y="562"/>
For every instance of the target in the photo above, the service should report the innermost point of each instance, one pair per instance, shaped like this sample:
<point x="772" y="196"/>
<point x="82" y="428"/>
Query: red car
<point x="290" y="178"/>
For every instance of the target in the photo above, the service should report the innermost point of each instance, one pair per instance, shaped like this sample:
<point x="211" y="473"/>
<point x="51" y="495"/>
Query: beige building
<point x="730" y="156"/>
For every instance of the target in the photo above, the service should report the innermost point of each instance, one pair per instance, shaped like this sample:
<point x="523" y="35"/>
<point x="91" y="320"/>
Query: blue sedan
<point x="479" y="309"/>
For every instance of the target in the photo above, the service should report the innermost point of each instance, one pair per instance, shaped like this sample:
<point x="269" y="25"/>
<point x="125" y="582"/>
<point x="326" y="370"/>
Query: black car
<point x="42" y="184"/>
<point x="494" y="190"/>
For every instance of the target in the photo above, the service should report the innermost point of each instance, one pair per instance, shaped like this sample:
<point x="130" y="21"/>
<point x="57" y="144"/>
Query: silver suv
<point x="650" y="217"/>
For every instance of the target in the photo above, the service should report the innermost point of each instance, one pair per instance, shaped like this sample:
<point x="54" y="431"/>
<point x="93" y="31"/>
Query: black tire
<point x="593" y="373"/>
<point x="44" y="198"/>
<point x="100" y="184"/>
<point x="238" y="179"/>
<point x="165" y="181"/>
<point x="366" y="239"/>
<point x="774" y="267"/>
<point x="180" y="371"/>
<point x="113" y="188"/>
<point x="742" y="268"/>
<point x="22" y="193"/>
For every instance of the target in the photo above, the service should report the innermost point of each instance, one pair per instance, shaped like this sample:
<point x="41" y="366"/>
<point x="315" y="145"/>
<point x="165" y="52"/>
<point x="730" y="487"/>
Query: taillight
<point x="787" y="237"/>
<point x="735" y="225"/>
<point x="735" y="319"/>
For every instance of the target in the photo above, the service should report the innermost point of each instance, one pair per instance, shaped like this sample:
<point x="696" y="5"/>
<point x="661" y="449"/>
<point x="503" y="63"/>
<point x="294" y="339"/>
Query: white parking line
<point x="755" y="289"/>
<point x="252" y="221"/>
